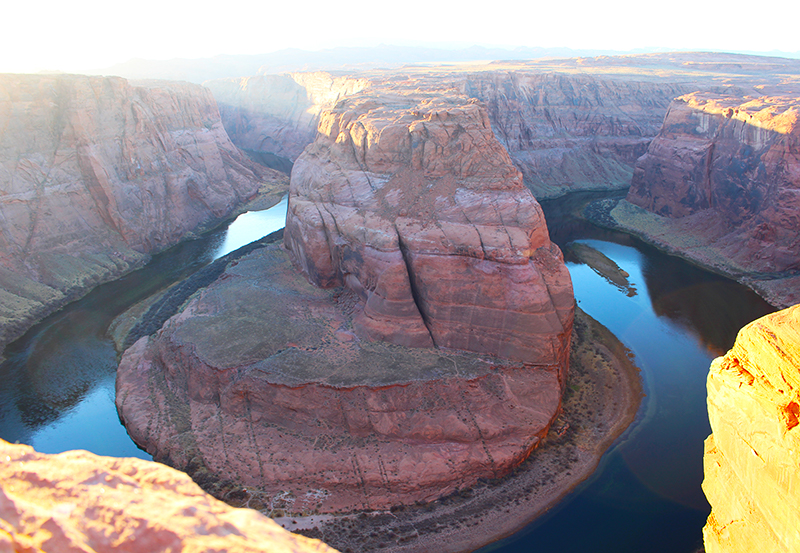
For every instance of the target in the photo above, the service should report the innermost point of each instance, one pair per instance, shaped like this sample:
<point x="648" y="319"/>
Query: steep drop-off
<point x="418" y="232"/>
<point x="96" y="174"/>
<point x="277" y="115"/>
<point x="752" y="459"/>
<point x="80" y="502"/>
<point x="723" y="179"/>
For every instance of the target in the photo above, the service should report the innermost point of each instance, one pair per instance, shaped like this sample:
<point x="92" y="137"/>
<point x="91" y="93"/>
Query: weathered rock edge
<point x="752" y="459"/>
<point x="81" y="502"/>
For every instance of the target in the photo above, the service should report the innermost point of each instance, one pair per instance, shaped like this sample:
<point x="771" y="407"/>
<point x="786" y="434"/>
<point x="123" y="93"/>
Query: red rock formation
<point x="95" y="174"/>
<point x="260" y="381"/>
<point x="752" y="459"/>
<point x="417" y="208"/>
<point x="731" y="164"/>
<point x="77" y="501"/>
<point x="573" y="132"/>
<point x="411" y="217"/>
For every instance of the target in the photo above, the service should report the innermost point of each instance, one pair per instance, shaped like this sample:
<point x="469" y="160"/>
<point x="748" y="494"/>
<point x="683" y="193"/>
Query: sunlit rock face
<point x="95" y="174"/>
<point x="414" y="205"/>
<point x="77" y="501"/>
<point x="752" y="459"/>
<point x="729" y="167"/>
<point x="413" y="339"/>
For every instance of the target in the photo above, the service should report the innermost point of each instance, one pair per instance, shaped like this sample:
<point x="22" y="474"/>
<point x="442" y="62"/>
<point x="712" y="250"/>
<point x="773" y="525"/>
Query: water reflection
<point x="58" y="380"/>
<point x="646" y="495"/>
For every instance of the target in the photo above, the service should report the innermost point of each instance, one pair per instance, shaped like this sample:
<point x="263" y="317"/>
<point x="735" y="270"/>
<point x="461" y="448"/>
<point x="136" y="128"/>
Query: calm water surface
<point x="646" y="495"/>
<point x="58" y="382"/>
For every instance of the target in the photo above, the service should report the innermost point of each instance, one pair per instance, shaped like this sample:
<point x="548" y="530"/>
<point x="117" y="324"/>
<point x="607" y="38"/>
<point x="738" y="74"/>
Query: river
<point x="58" y="380"/>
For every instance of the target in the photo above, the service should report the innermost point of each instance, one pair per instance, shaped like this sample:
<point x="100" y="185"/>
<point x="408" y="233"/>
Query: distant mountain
<point x="289" y="60"/>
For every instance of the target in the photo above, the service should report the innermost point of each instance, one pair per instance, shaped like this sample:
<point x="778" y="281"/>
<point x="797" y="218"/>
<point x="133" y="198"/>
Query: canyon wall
<point x="573" y="132"/>
<point x="724" y="176"/>
<point x="96" y="174"/>
<point x="80" y="502"/>
<point x="752" y="467"/>
<point x="424" y="346"/>
<point x="277" y="115"/>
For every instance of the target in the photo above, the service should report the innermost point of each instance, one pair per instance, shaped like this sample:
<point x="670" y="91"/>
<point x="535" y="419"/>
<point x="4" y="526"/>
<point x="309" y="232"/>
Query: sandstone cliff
<point x="95" y="174"/>
<point x="752" y="464"/>
<point x="80" y="502"/>
<point x="726" y="171"/>
<point x="416" y="207"/>
<point x="278" y="114"/>
<point x="418" y="232"/>
<point x="573" y="132"/>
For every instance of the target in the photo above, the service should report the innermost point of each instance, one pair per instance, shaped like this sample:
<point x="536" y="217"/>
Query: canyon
<point x="751" y="458"/>
<point x="96" y="174"/>
<point x="423" y="314"/>
<point x="721" y="184"/>
<point x="426" y="346"/>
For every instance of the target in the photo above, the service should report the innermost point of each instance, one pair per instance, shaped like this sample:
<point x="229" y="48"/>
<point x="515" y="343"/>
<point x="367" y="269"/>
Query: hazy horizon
<point x="90" y="35"/>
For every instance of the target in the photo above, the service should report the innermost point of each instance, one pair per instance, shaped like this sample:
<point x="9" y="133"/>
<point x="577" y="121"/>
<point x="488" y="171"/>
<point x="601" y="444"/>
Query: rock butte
<point x="95" y="174"/>
<point x="752" y="472"/>
<point x="77" y="501"/>
<point x="415" y="226"/>
<point x="723" y="175"/>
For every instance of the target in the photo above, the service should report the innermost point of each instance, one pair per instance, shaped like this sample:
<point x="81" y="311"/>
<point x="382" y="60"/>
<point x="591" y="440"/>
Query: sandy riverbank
<point x="603" y="395"/>
<point x="693" y="239"/>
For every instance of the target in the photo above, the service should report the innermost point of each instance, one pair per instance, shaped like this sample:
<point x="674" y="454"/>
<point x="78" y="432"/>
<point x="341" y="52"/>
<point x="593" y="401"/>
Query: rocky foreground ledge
<point x="752" y="459"/>
<point x="428" y="350"/>
<point x="81" y="502"/>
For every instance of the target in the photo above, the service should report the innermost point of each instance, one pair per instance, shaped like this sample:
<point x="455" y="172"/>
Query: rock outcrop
<point x="752" y="459"/>
<point x="726" y="171"/>
<point x="573" y="132"/>
<point x="277" y="115"/>
<point x="416" y="231"/>
<point x="96" y="174"/>
<point x="77" y="501"/>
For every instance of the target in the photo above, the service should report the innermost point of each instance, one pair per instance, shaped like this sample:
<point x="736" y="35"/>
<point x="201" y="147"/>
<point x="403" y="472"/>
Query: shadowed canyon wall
<point x="96" y="174"/>
<point x="752" y="474"/>
<point x="724" y="173"/>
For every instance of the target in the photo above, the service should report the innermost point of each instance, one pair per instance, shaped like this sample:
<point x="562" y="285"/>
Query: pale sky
<point x="93" y="34"/>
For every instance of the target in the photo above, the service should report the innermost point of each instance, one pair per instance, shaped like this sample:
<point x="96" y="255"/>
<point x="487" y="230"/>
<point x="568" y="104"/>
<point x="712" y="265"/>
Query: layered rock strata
<point x="725" y="173"/>
<point x="77" y="501"/>
<point x="752" y="465"/>
<point x="573" y="132"/>
<point x="277" y="115"/>
<point x="95" y="174"/>
<point x="414" y="230"/>
<point x="418" y="209"/>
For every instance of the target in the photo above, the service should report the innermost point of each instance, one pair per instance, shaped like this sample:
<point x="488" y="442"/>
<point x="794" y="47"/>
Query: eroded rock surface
<point x="78" y="501"/>
<point x="415" y="231"/>
<point x="752" y="459"/>
<point x="737" y="161"/>
<point x="95" y="174"/>
<point x="415" y="206"/>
